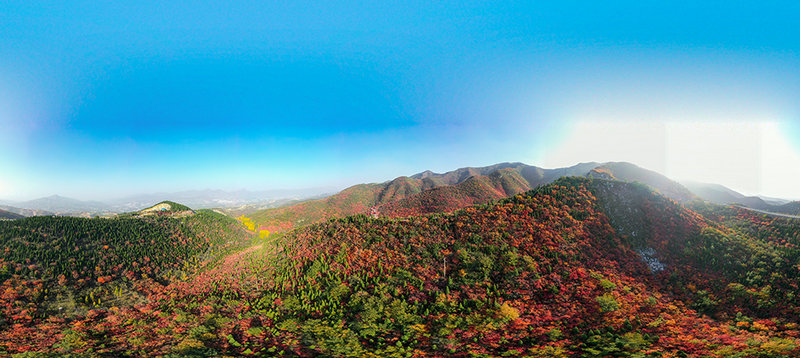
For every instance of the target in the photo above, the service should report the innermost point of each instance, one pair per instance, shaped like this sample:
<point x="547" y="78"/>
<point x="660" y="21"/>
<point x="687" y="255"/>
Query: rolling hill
<point x="206" y="199"/>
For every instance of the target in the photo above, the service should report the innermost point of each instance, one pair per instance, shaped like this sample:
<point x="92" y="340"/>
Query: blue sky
<point x="101" y="100"/>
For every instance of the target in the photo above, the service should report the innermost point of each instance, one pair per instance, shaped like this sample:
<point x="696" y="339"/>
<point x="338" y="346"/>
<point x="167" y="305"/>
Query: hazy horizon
<point x="314" y="191"/>
<point x="101" y="101"/>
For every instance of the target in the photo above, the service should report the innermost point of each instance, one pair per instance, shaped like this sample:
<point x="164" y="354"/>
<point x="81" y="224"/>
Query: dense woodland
<point x="65" y="267"/>
<point x="578" y="268"/>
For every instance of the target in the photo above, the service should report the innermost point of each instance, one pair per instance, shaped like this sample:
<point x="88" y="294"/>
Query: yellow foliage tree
<point x="247" y="223"/>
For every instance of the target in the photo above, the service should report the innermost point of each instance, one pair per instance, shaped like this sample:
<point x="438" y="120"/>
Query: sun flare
<point x="750" y="157"/>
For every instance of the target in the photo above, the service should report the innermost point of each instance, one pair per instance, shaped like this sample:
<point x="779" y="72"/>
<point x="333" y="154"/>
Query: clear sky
<point x="103" y="99"/>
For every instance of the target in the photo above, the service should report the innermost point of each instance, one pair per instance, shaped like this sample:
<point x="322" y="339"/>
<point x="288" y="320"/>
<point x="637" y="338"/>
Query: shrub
<point x="607" y="303"/>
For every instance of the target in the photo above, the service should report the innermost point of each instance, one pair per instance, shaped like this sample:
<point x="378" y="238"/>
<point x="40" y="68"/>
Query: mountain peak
<point x="423" y="175"/>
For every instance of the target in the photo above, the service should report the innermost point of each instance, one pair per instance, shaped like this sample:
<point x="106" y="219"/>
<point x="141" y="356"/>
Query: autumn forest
<point x="583" y="266"/>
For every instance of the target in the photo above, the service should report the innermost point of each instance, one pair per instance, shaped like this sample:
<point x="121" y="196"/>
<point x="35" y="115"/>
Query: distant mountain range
<point x="25" y="212"/>
<point x="425" y="192"/>
<point x="201" y="199"/>
<point x="9" y="215"/>
<point x="204" y="199"/>
<point x="60" y="204"/>
<point x="719" y="194"/>
<point x="430" y="192"/>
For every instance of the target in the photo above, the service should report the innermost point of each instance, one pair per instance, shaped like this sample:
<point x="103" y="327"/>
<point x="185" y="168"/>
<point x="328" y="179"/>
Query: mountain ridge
<point x="378" y="198"/>
<point x="430" y="192"/>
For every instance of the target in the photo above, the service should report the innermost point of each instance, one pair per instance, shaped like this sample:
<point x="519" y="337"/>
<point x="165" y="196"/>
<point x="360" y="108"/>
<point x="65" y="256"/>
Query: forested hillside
<point x="578" y="268"/>
<point x="426" y="192"/>
<point x="430" y="192"/>
<point x="65" y="266"/>
<point x="475" y="190"/>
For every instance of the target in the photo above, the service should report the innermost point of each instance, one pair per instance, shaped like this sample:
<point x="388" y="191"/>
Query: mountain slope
<point x="426" y="192"/>
<point x="429" y="192"/>
<point x="475" y="190"/>
<point x="707" y="250"/>
<point x="719" y="194"/>
<point x="774" y="201"/>
<point x="631" y="173"/>
<point x="9" y="215"/>
<point x="792" y="208"/>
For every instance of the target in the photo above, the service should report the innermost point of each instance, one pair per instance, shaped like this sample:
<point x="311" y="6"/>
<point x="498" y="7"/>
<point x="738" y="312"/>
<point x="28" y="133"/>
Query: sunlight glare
<point x="749" y="157"/>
